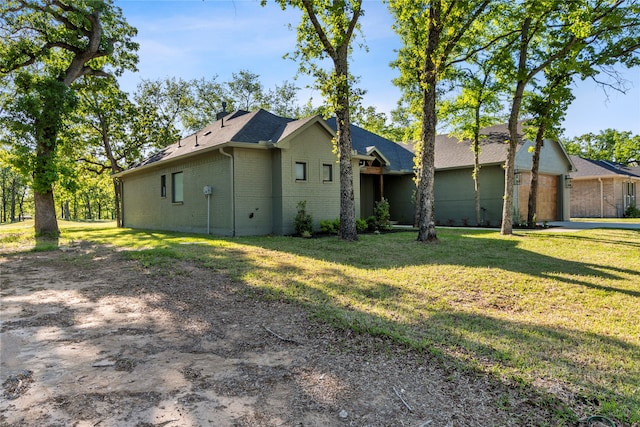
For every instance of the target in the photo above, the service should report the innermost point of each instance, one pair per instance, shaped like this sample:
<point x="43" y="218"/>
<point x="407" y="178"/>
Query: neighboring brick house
<point x="602" y="189"/>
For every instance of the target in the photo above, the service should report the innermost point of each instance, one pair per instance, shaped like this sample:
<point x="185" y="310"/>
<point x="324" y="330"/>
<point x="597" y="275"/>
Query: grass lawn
<point x="554" y="312"/>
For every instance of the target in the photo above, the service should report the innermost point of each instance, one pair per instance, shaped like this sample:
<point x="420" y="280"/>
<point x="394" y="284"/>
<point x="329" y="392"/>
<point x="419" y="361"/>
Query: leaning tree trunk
<point x="426" y="219"/>
<point x="533" y="189"/>
<point x="117" y="189"/>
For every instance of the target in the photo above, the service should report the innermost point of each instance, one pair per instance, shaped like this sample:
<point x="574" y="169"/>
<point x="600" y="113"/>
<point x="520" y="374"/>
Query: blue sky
<point x="194" y="39"/>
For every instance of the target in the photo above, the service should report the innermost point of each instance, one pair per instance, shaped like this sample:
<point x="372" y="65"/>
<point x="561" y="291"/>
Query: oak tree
<point x="327" y="30"/>
<point x="48" y="45"/>
<point x="435" y="34"/>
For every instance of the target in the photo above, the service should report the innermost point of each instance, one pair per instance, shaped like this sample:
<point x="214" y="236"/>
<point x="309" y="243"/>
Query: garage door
<point x="547" y="206"/>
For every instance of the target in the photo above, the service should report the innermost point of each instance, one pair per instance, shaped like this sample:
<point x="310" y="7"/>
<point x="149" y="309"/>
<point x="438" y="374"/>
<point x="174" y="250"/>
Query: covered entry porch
<point x="376" y="183"/>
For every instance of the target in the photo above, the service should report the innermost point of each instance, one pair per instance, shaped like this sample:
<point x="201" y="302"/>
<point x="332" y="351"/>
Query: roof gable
<point x="287" y="131"/>
<point x="398" y="157"/>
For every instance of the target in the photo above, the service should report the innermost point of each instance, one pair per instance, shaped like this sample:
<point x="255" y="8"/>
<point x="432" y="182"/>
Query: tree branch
<point x="321" y="34"/>
<point x="453" y="42"/>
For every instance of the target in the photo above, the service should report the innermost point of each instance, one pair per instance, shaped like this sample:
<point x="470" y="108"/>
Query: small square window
<point x="327" y="173"/>
<point x="177" y="195"/>
<point x="301" y="171"/>
<point x="163" y="186"/>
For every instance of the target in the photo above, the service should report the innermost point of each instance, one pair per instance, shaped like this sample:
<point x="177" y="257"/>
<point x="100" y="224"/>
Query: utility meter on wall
<point x="207" y="190"/>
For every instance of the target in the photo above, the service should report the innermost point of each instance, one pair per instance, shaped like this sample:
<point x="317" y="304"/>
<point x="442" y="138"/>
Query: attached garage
<point x="455" y="192"/>
<point x="547" y="203"/>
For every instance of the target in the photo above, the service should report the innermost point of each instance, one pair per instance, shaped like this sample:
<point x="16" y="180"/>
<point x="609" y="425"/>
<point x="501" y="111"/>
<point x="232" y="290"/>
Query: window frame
<point x="305" y="172"/>
<point x="329" y="167"/>
<point x="177" y="187"/>
<point x="163" y="186"/>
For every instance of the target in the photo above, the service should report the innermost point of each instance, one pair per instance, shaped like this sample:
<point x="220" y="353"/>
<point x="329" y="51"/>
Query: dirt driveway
<point x="90" y="338"/>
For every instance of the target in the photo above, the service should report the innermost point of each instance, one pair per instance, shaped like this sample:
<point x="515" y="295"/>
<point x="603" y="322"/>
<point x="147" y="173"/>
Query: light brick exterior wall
<point x="591" y="200"/>
<point x="262" y="199"/>
<point x="314" y="148"/>
<point x="145" y="208"/>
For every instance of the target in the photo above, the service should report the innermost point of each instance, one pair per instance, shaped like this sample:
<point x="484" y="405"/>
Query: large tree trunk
<point x="87" y="204"/>
<point x="476" y="164"/>
<point x="535" y="166"/>
<point x="509" y="170"/>
<point x="476" y="182"/>
<point x="348" y="229"/>
<point x="46" y="224"/>
<point x="426" y="219"/>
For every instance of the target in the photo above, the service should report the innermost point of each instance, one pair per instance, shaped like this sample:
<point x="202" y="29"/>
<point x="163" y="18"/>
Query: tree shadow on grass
<point x="581" y="366"/>
<point x="339" y="282"/>
<point x="477" y="250"/>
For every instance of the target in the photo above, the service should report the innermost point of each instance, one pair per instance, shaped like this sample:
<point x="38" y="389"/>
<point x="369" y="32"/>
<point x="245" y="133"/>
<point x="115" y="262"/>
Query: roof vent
<point x="223" y="113"/>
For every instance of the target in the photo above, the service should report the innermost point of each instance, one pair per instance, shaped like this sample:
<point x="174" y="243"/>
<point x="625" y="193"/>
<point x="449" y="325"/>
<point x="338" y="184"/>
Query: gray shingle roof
<point x="587" y="168"/>
<point x="400" y="157"/>
<point x="239" y="126"/>
<point x="453" y="153"/>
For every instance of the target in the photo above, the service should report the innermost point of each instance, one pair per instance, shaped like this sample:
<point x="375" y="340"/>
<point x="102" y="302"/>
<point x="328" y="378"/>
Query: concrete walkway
<point x="579" y="225"/>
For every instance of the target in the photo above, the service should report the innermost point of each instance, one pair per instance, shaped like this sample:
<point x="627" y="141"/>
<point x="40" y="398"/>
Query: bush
<point x="327" y="226"/>
<point x="371" y="223"/>
<point x="383" y="217"/>
<point x="361" y="225"/>
<point x="632" y="212"/>
<point x="303" y="222"/>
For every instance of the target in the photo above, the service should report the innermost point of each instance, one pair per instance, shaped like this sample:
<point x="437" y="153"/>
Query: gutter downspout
<point x="233" y="192"/>
<point x="601" y="197"/>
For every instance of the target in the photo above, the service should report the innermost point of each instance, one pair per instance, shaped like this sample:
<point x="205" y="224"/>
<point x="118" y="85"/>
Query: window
<point x="163" y="186"/>
<point x="629" y="194"/>
<point x="176" y="188"/>
<point x="301" y="171"/>
<point x="327" y="173"/>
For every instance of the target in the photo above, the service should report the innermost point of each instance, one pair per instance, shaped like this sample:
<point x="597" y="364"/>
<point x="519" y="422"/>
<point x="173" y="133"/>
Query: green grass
<point x="554" y="312"/>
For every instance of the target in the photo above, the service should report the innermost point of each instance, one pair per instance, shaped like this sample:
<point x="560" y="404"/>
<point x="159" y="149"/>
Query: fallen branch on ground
<point x="280" y="337"/>
<point x="403" y="401"/>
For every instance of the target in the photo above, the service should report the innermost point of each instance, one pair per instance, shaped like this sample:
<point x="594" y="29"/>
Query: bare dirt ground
<point x="90" y="338"/>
